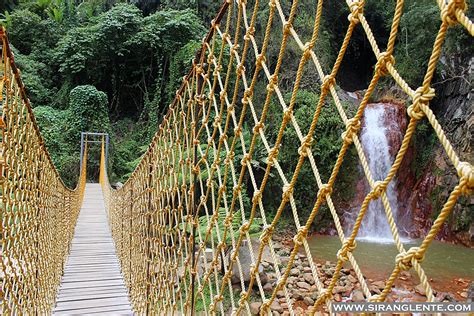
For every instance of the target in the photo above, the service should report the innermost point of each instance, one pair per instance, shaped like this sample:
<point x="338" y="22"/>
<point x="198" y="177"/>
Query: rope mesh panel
<point x="38" y="212"/>
<point x="174" y="220"/>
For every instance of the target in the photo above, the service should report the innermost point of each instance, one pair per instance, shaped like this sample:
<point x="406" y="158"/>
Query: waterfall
<point x="374" y="140"/>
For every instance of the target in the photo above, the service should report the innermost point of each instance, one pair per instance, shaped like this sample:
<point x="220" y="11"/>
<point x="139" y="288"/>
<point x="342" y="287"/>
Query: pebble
<point x="379" y="284"/>
<point x="308" y="277"/>
<point x="358" y="296"/>
<point x="268" y="287"/>
<point x="255" y="307"/>
<point x="420" y="289"/>
<point x="351" y="279"/>
<point x="276" y="307"/>
<point x="303" y="285"/>
<point x="308" y="301"/>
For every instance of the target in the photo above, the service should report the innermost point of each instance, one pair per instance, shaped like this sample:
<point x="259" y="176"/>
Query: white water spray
<point x="375" y="225"/>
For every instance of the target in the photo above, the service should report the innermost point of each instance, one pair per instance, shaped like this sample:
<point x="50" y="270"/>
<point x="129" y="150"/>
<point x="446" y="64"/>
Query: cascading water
<point x="374" y="140"/>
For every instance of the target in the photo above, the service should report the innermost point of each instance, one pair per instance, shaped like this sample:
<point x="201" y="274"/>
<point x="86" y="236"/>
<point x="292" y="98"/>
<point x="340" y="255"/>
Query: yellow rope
<point x="207" y="118"/>
<point x="38" y="212"/>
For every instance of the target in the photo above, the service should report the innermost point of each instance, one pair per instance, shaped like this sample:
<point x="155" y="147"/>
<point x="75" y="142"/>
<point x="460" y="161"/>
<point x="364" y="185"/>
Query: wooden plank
<point x="92" y="282"/>
<point x="95" y="302"/>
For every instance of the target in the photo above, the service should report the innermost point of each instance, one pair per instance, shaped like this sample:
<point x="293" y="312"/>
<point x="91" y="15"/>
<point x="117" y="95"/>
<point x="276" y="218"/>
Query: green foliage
<point x="327" y="143"/>
<point x="24" y="29"/>
<point x="424" y="142"/>
<point x="62" y="129"/>
<point x="179" y="66"/>
<point x="34" y="76"/>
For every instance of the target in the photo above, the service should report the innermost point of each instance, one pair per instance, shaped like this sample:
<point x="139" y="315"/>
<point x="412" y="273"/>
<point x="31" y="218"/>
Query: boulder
<point x="246" y="261"/>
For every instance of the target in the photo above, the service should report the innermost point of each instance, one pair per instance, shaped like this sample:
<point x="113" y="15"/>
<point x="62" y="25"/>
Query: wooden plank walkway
<point x="92" y="282"/>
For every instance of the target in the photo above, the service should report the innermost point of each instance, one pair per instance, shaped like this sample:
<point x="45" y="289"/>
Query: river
<point x="443" y="262"/>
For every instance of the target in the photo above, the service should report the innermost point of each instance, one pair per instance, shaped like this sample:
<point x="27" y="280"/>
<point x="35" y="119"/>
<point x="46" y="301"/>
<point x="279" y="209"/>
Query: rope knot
<point x="237" y="189"/>
<point x="245" y="227"/>
<point x="324" y="191"/>
<point x="228" y="221"/>
<point x="305" y="145"/>
<point x="273" y="82"/>
<point x="422" y="96"/>
<point x="265" y="306"/>
<point x="352" y="126"/>
<point x="222" y="95"/>
<point x="308" y="47"/>
<point x="300" y="236"/>
<point x="328" y="82"/>
<point x="258" y="127"/>
<point x="199" y="70"/>
<point x="257" y="195"/>
<point x="348" y="246"/>
<point x="287" y="192"/>
<point x="384" y="60"/>
<point x="325" y="295"/>
<point x="240" y="69"/>
<point x="356" y="7"/>
<point x="237" y="131"/>
<point x="266" y="234"/>
<point x="287" y="28"/>
<point x="234" y="48"/>
<point x="404" y="260"/>
<point x="249" y="92"/>
<point x="448" y="14"/>
<point x="253" y="269"/>
<point x="245" y="159"/>
<point x="379" y="188"/>
<point x="272" y="156"/>
<point x="249" y="34"/>
<point x="260" y="60"/>
<point x="243" y="297"/>
<point x="466" y="174"/>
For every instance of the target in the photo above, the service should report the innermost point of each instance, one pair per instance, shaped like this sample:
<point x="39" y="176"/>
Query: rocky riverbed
<point x="303" y="292"/>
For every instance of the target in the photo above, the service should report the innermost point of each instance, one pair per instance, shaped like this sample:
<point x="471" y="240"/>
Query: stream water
<point x="442" y="262"/>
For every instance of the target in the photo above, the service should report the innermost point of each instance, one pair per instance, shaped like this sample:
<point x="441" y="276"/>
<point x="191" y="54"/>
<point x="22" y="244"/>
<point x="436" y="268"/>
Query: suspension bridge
<point x="171" y="239"/>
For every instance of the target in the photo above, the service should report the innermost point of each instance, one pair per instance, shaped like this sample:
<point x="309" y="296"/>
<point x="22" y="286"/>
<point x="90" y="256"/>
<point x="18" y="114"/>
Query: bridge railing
<point x="184" y="224"/>
<point x="37" y="211"/>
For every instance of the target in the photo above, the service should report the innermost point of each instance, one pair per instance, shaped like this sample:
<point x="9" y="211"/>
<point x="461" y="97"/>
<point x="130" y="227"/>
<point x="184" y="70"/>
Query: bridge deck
<point x="92" y="282"/>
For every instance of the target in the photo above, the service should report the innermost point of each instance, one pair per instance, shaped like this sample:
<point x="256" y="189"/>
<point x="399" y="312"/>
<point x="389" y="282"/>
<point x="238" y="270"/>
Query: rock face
<point x="426" y="176"/>
<point x="454" y="109"/>
<point x="394" y="122"/>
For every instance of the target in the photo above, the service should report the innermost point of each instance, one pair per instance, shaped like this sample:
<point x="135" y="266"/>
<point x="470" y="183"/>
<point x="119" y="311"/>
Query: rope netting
<point x="37" y="211"/>
<point x="181" y="223"/>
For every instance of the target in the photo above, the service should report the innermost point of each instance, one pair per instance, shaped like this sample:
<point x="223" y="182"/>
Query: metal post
<point x="82" y="149"/>
<point x="106" y="151"/>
